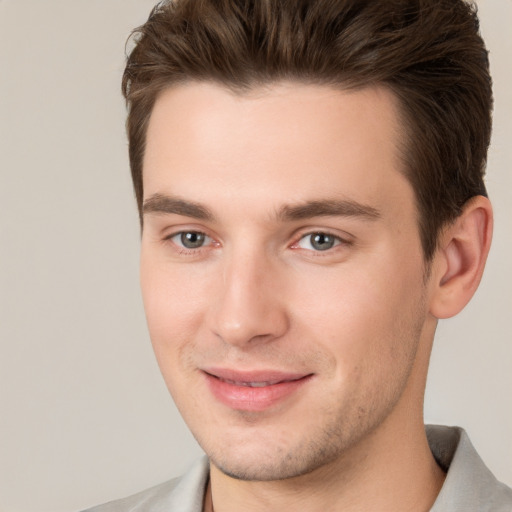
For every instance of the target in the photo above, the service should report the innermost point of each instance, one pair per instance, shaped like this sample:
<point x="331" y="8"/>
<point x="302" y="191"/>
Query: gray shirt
<point x="469" y="485"/>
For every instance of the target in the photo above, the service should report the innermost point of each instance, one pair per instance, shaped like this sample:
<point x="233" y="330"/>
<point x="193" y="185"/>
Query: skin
<point x="357" y="319"/>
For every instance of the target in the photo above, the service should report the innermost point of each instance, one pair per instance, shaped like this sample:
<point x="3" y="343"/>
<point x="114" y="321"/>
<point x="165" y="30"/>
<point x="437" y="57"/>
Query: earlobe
<point x="461" y="257"/>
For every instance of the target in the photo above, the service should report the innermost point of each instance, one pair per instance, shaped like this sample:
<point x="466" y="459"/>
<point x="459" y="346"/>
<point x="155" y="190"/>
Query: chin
<point x="276" y="460"/>
<point x="266" y="471"/>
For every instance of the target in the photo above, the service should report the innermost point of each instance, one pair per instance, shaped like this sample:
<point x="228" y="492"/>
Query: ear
<point x="460" y="259"/>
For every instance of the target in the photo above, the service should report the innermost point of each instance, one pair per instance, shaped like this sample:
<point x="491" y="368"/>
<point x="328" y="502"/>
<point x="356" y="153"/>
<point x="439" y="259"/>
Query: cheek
<point x="365" y="316"/>
<point x="173" y="302"/>
<point x="174" y="315"/>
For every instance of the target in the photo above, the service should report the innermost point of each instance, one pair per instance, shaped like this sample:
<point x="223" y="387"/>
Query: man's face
<point x="282" y="272"/>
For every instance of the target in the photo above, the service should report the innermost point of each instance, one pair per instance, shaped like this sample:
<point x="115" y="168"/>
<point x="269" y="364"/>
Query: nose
<point x="249" y="306"/>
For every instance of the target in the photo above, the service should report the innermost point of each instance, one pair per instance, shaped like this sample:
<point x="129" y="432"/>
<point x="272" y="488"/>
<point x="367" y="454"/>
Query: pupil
<point x="192" y="240"/>
<point x="321" y="241"/>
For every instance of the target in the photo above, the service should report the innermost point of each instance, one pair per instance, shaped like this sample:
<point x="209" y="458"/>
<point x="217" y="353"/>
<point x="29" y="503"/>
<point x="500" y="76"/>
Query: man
<point x="309" y="177"/>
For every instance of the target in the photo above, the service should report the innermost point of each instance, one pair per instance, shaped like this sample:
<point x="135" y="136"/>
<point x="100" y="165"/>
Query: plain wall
<point x="84" y="414"/>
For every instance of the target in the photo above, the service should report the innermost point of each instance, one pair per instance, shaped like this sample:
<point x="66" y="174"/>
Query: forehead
<point x="288" y="139"/>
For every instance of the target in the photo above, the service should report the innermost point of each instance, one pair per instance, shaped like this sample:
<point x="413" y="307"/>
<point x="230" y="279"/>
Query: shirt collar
<point x="469" y="485"/>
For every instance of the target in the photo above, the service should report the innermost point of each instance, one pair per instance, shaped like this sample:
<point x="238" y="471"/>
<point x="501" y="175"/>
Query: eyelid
<point x="207" y="239"/>
<point x="343" y="237"/>
<point x="170" y="231"/>
<point x="335" y="239"/>
<point x="168" y="237"/>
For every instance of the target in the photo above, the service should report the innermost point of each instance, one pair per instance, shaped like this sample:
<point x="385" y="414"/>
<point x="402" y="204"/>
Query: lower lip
<point x="245" y="398"/>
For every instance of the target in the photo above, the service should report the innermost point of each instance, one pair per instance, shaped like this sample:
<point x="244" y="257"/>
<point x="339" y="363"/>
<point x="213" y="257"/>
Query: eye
<point x="318" y="241"/>
<point x="190" y="239"/>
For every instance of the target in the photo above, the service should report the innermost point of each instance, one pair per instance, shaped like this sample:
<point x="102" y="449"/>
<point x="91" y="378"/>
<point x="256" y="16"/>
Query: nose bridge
<point x="248" y="307"/>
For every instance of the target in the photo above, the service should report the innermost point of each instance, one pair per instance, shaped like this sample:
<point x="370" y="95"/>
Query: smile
<point x="254" y="384"/>
<point x="253" y="391"/>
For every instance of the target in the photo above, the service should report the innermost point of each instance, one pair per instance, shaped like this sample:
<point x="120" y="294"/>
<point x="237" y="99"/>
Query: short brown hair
<point x="428" y="52"/>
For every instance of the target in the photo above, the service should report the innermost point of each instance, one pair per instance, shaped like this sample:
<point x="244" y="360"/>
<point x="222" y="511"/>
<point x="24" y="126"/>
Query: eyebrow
<point x="328" y="208"/>
<point x="159" y="203"/>
<point x="163" y="204"/>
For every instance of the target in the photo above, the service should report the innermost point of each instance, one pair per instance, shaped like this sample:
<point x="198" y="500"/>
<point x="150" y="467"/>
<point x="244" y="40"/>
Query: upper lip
<point x="263" y="377"/>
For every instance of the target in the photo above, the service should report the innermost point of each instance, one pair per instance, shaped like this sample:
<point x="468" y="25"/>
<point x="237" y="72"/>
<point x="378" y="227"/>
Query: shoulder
<point x="183" y="494"/>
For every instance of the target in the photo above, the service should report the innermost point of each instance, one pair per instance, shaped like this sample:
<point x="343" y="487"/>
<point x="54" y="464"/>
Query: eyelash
<point x="187" y="250"/>
<point x="337" y="241"/>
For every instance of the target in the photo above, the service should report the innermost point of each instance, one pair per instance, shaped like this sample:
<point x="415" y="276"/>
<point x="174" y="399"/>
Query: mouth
<point x="261" y="384"/>
<point x="253" y="391"/>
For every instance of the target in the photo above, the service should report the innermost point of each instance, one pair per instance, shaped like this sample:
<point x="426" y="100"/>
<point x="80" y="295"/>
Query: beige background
<point x="84" y="414"/>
